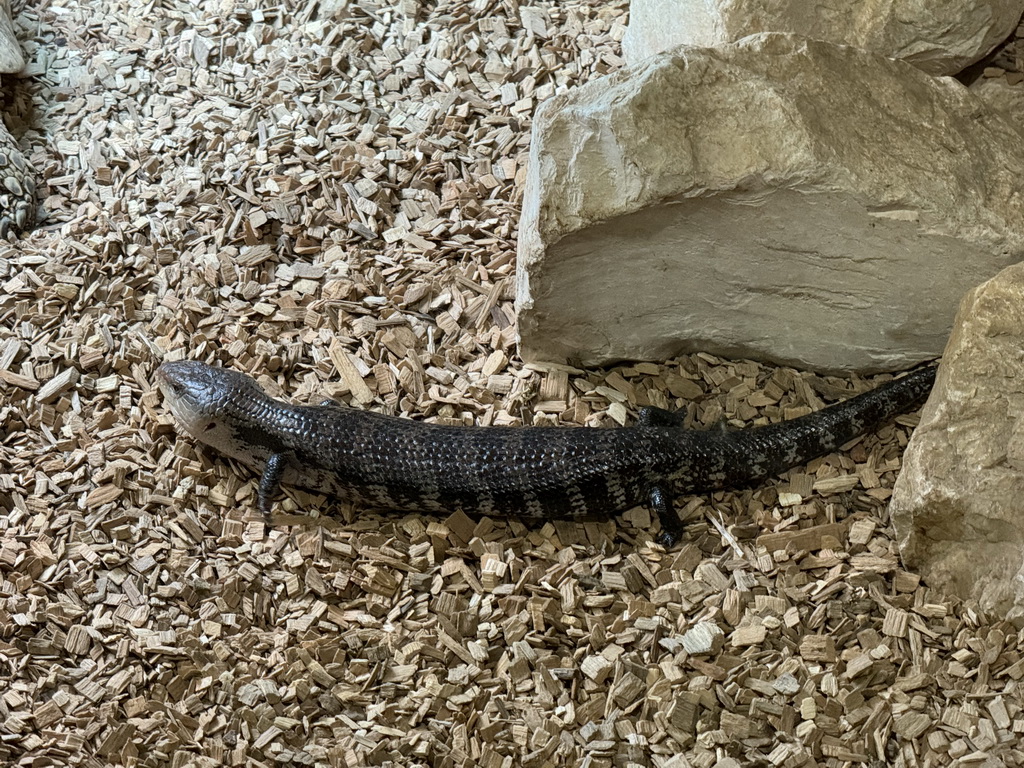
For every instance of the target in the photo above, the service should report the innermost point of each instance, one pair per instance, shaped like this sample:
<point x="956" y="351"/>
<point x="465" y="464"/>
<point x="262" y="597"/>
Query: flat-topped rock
<point x="956" y="505"/>
<point x="778" y="198"/>
<point x="938" y="38"/>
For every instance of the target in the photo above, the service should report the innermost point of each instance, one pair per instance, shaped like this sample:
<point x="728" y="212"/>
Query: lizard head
<point x="198" y="394"/>
<point x="220" y="407"/>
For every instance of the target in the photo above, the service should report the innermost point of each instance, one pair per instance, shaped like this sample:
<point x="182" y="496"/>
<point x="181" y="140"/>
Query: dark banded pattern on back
<point x="537" y="472"/>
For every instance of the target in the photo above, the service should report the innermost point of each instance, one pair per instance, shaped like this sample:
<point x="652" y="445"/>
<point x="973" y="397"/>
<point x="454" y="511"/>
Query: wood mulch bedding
<point x="326" y="194"/>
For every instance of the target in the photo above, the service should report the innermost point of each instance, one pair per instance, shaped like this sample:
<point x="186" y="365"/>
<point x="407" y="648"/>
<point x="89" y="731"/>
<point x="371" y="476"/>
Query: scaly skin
<point x="536" y="472"/>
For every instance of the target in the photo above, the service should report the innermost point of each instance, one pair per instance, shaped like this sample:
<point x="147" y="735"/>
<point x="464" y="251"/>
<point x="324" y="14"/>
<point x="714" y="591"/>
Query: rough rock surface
<point x="11" y="57"/>
<point x="940" y="38"/>
<point x="711" y="200"/>
<point x="1002" y="97"/>
<point x="957" y="503"/>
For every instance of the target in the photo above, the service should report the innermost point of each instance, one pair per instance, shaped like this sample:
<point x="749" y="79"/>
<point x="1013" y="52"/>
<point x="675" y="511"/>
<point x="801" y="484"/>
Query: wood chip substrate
<point x="325" y="194"/>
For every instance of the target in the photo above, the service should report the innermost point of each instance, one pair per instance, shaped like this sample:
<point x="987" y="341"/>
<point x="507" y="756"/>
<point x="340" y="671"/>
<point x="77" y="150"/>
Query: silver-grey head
<point x="198" y="395"/>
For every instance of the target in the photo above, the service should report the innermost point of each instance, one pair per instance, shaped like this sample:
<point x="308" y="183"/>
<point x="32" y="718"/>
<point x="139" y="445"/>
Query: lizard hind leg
<point x="671" y="526"/>
<point x="270" y="483"/>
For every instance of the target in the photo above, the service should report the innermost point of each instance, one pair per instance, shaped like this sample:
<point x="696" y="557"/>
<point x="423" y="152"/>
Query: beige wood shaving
<point x="327" y="195"/>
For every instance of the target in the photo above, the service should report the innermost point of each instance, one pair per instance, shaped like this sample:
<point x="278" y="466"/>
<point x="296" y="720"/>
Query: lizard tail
<point x="755" y="454"/>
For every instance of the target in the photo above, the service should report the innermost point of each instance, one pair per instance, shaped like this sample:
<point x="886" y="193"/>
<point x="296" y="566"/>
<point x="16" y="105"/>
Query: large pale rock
<point x="958" y="504"/>
<point x="777" y="198"/>
<point x="939" y="37"/>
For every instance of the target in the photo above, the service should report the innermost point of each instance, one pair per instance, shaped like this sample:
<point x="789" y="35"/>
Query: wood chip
<point x="58" y="385"/>
<point x="749" y="635"/>
<point x="15" y="380"/>
<point x="818" y="648"/>
<point x="331" y="201"/>
<point x="350" y="376"/>
<point x="806" y="539"/>
<point x="703" y="638"/>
